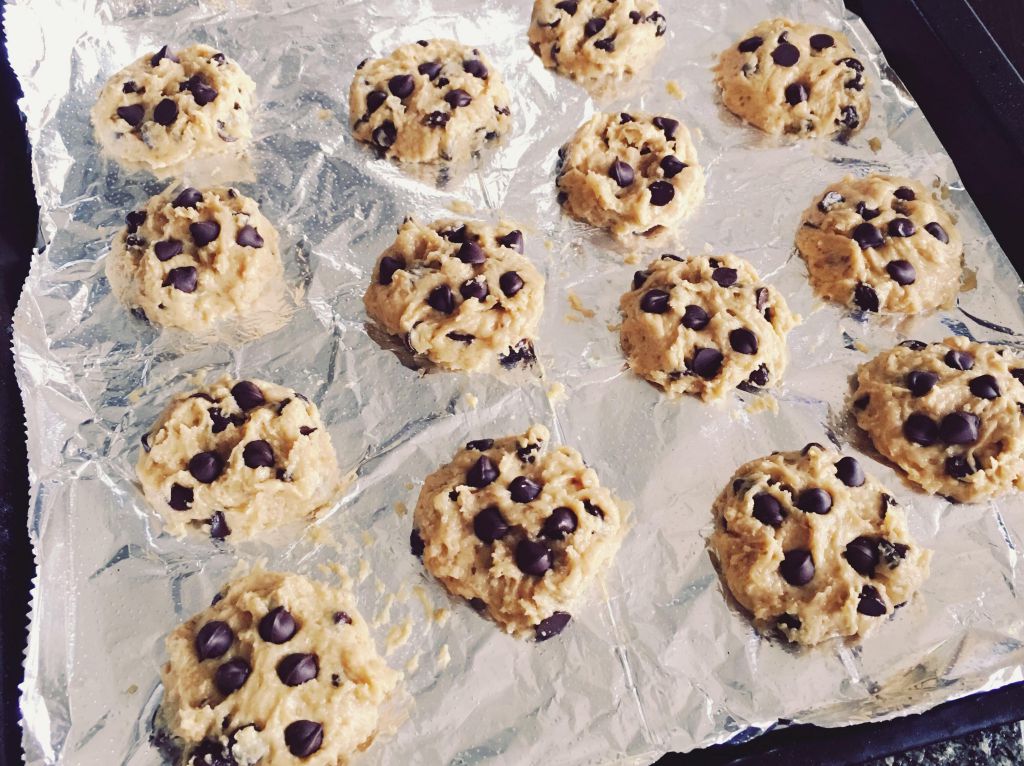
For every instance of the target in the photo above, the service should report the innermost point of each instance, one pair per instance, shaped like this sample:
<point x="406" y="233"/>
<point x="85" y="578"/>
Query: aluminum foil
<point x="656" y="659"/>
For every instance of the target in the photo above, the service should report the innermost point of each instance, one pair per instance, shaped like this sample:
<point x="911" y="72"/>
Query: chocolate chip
<point x="870" y="602"/>
<point x="937" y="231"/>
<point x="862" y="555"/>
<point x="725" y="276"/>
<point x="850" y="117"/>
<point x="416" y="544"/>
<point x="160" y="55"/>
<point x="183" y="278"/>
<point x="661" y="26"/>
<point x="593" y="26"/>
<point x="511" y="283"/>
<point x="471" y="253"/>
<point x="862" y="402"/>
<point x="134" y="220"/>
<point x="306" y="430"/>
<point x="387" y="268"/>
<point x="672" y="166"/>
<point x="916" y="345"/>
<point x="865" y="297"/>
<point x="959" y="428"/>
<point x="751" y="44"/>
<point x="374" y="99"/>
<point x="561" y="523"/>
<point x="205" y="467"/>
<point x="797" y="567"/>
<point x="606" y="44"/>
<point x="204" y="232"/>
<point x="442" y="299"/>
<point x="476" y="68"/>
<point x="984" y="387"/>
<point x="430" y="68"/>
<point x="768" y="510"/>
<point x="867" y="213"/>
<point x="759" y="377"/>
<point x="482" y="472"/>
<point x="868" y="236"/>
<point x="959" y="360"/>
<point x="743" y="341"/>
<point x="622" y="173"/>
<point x="790" y="621"/>
<point x="474" y="288"/>
<point x="514" y="240"/>
<point x="477" y="604"/>
<point x="695" y="318"/>
<point x="213" y="639"/>
<point x="797" y="93"/>
<point x="167" y="249"/>
<point x="830" y="200"/>
<point x="166" y="112"/>
<point x="341" y="617"/>
<point x="849" y="472"/>
<point x="958" y="467"/>
<point x="901" y="227"/>
<point x="522" y="352"/>
<point x="666" y="125"/>
<point x="569" y="6"/>
<point x="277" y="626"/>
<point x="625" y="117"/>
<point x="181" y="497"/>
<point x="814" y="500"/>
<point x="822" y="41"/>
<point x="489" y="525"/>
<point x="853" y="64"/>
<point x="385" y="134"/>
<point x="707" y="362"/>
<point x="231" y="676"/>
<point x="639" y="277"/>
<point x="188" y="197"/>
<point x="130" y="86"/>
<point x="247" y="395"/>
<point x="480" y="444"/>
<point x="655" y="302"/>
<point x="786" y="55"/>
<point x="809" y="447"/>
<point x="551" y="626"/>
<point x="202" y="92"/>
<point x="132" y="114"/>
<point x="303" y="737"/>
<point x="258" y="454"/>
<point x="533" y="558"/>
<point x="296" y="669"/>
<point x="248" y="236"/>
<point x="524" y="489"/>
<point x="902" y="272"/>
<point x="920" y="382"/>
<point x="219" y="528"/>
<point x="402" y="85"/>
<point x="921" y="429"/>
<point x="904" y="193"/>
<point x="458" y="98"/>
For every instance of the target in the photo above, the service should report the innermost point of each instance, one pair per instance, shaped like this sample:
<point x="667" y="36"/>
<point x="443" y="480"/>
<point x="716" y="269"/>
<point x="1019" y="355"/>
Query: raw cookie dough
<point x="799" y="79"/>
<point x="429" y="100"/>
<point x="460" y="293"/>
<point x="948" y="414"/>
<point x="630" y="173"/>
<point x="810" y="545"/>
<point x="194" y="257"/>
<point x="597" y="40"/>
<point x="171" y="106"/>
<point x="518" y="531"/>
<point x="238" y="458"/>
<point x="881" y="243"/>
<point x="704" y="325"/>
<point x="280" y="669"/>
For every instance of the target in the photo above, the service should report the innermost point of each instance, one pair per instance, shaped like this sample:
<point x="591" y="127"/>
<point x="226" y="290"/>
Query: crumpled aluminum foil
<point x="656" y="659"/>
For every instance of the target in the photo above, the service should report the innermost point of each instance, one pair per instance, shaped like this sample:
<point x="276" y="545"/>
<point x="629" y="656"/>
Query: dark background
<point x="959" y="58"/>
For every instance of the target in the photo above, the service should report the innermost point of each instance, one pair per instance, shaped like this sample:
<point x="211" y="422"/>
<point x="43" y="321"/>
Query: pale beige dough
<point x="596" y="40"/>
<point x="456" y="102"/>
<point x="839" y="598"/>
<point x="222" y="494"/>
<point x="937" y="454"/>
<point x="714" y="306"/>
<point x="486" y="571"/>
<point x="665" y="181"/>
<point x="427" y="271"/>
<point x="913" y="261"/>
<point x="250" y="723"/>
<point x="789" y="84"/>
<point x="211" y="96"/>
<point x="199" y="285"/>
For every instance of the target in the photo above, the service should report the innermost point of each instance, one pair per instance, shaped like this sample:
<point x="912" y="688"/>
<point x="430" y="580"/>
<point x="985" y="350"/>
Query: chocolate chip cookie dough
<point x="812" y="546"/>
<point x="631" y="173"/>
<point x="518" y="531"/>
<point x="238" y="458"/>
<point x="460" y="293"/>
<point x="704" y="325"/>
<point x="429" y="100"/>
<point x="796" y="79"/>
<point x="279" y="670"/>
<point x="171" y="106"/>
<point x="881" y="243"/>
<point x="949" y="414"/>
<point x="594" y="41"/>
<point x="192" y="258"/>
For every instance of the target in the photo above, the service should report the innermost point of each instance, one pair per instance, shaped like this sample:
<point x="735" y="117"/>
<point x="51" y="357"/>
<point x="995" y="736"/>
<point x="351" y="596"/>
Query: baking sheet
<point x="656" y="659"/>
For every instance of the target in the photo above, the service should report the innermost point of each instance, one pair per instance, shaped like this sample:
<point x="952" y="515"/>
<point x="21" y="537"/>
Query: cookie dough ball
<point x="172" y="106"/>
<point x="797" y="79"/>
<point x="881" y="243"/>
<point x="811" y="545"/>
<point x="948" y="414"/>
<point x="518" y="531"/>
<point x="596" y="40"/>
<point x="427" y="101"/>
<point x="704" y="325"/>
<point x="238" y="458"/>
<point x="460" y="293"/>
<point x="280" y="669"/>
<point x="630" y="173"/>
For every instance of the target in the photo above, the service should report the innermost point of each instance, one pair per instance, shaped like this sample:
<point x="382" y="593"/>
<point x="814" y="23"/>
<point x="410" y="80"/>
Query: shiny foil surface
<point x="655" y="659"/>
